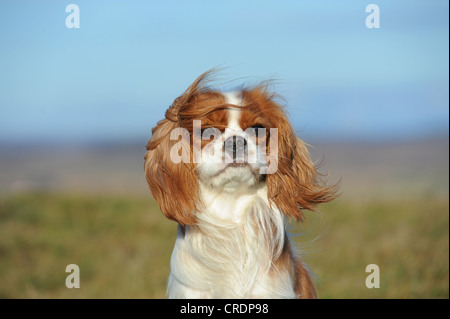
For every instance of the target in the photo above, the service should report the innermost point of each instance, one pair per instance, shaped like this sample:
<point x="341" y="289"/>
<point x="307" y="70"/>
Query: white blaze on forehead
<point x="234" y="114"/>
<point x="234" y="97"/>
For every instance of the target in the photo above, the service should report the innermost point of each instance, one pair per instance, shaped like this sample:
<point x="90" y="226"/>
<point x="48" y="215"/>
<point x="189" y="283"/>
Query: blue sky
<point x="113" y="78"/>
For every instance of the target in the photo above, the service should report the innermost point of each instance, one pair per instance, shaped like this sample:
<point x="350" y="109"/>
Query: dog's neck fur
<point x="231" y="251"/>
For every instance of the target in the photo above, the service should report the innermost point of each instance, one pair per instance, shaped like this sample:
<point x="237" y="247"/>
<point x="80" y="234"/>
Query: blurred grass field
<point x="122" y="245"/>
<point x="90" y="206"/>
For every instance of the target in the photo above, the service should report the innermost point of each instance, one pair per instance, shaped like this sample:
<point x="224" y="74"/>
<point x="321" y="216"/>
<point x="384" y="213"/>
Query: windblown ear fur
<point x="296" y="185"/>
<point x="174" y="186"/>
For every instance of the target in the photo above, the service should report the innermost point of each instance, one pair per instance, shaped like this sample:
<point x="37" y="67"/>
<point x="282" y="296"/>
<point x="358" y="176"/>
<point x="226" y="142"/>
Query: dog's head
<point x="228" y="142"/>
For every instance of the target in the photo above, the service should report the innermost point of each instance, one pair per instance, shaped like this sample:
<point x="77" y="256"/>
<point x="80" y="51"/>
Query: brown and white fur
<point x="232" y="240"/>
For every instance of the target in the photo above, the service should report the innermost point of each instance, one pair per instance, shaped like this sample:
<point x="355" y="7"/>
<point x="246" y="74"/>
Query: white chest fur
<point x="230" y="252"/>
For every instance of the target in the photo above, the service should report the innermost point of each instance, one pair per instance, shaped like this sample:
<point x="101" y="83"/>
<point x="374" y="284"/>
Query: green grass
<point x="123" y="245"/>
<point x="407" y="239"/>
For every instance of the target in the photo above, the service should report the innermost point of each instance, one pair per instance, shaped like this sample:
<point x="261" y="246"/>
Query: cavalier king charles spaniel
<point x="230" y="170"/>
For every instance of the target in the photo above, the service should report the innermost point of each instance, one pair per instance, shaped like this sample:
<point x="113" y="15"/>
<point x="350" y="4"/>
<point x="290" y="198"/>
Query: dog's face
<point x="228" y="142"/>
<point x="235" y="143"/>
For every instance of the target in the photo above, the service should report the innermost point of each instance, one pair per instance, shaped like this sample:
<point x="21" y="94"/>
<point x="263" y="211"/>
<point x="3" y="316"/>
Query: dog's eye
<point x="257" y="129"/>
<point x="209" y="130"/>
<point x="200" y="130"/>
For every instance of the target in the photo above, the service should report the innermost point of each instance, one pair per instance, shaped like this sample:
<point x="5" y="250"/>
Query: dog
<point x="230" y="170"/>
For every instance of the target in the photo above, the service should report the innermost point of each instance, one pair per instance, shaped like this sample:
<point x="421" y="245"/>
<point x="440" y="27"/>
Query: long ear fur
<point x="296" y="184"/>
<point x="174" y="186"/>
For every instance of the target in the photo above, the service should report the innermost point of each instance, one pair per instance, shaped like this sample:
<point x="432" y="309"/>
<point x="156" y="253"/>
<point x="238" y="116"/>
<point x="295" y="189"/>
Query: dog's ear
<point x="296" y="184"/>
<point x="174" y="184"/>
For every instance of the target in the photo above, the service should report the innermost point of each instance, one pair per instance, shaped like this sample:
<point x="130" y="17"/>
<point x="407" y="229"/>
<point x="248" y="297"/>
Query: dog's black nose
<point x="236" y="148"/>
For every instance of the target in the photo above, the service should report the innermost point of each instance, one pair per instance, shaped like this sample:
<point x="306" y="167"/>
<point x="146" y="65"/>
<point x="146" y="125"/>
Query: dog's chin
<point x="229" y="177"/>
